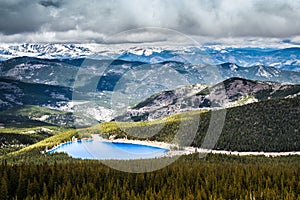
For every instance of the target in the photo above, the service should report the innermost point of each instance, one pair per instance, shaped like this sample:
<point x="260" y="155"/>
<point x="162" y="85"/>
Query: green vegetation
<point x="18" y="121"/>
<point x="160" y="130"/>
<point x="34" y="152"/>
<point x="33" y="93"/>
<point x="214" y="177"/>
<point x="270" y="125"/>
<point x="32" y="116"/>
<point x="21" y="130"/>
<point x="244" y="100"/>
<point x="14" y="139"/>
<point x="204" y="92"/>
<point x="32" y="111"/>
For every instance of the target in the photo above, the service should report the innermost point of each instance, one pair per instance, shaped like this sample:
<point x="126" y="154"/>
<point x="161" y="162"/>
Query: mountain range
<point x="17" y="95"/>
<point x="285" y="59"/>
<point x="65" y="72"/>
<point x="141" y="84"/>
<point x="229" y="93"/>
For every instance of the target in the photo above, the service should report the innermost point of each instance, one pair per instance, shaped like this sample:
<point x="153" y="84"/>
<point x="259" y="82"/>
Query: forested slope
<point x="215" y="177"/>
<point x="270" y="125"/>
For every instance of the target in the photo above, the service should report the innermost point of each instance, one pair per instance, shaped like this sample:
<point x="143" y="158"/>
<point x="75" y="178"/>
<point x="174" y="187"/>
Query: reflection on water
<point x="101" y="150"/>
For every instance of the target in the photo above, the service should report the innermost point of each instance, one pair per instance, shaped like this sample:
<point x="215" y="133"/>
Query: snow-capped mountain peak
<point x="43" y="50"/>
<point x="286" y="59"/>
<point x="144" y="51"/>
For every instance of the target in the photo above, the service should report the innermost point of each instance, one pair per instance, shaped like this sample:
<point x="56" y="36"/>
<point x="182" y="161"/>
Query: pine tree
<point x="68" y="190"/>
<point x="21" y="189"/>
<point x="3" y="189"/>
<point x="45" y="194"/>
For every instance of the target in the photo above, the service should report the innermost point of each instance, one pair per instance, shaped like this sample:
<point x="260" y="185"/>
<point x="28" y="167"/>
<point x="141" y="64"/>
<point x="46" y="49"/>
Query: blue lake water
<point x="102" y="150"/>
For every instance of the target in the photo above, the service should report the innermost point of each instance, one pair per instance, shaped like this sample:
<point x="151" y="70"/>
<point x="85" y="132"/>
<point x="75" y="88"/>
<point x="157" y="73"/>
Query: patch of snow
<point x="262" y="72"/>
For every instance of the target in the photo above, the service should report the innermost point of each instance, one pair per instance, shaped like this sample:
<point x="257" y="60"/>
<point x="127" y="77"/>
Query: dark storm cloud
<point x="96" y="19"/>
<point x="55" y="4"/>
<point x="18" y="16"/>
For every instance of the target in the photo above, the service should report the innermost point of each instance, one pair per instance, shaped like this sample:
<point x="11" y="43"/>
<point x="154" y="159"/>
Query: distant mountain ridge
<point x="64" y="72"/>
<point x="284" y="59"/>
<point x="229" y="93"/>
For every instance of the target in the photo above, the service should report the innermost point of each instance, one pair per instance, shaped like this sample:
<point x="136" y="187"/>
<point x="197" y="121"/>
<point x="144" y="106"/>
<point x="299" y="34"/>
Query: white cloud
<point x="94" y="20"/>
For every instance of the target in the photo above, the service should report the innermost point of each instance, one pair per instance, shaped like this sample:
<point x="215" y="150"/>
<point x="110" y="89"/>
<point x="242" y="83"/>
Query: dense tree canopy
<point x="214" y="177"/>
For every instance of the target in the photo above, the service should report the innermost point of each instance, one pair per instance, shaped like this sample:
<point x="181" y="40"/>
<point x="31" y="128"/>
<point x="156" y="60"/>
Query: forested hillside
<point x="270" y="125"/>
<point x="215" y="177"/>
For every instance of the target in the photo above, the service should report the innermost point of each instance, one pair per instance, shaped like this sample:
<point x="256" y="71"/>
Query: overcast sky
<point x="95" y="20"/>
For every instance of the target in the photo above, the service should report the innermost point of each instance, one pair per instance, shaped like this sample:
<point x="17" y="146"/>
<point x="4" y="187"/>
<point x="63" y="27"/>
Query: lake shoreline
<point x="175" y="150"/>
